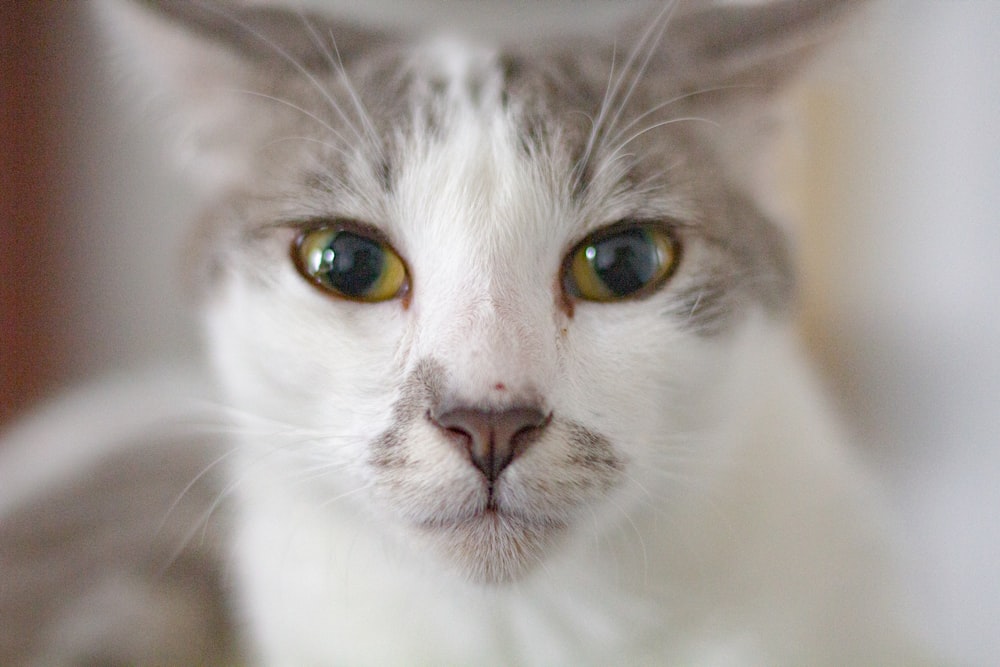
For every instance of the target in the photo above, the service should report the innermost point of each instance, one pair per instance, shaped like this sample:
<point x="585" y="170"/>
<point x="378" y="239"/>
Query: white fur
<point x="325" y="582"/>
<point x="736" y="504"/>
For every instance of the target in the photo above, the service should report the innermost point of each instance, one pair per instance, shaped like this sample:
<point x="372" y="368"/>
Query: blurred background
<point x="895" y="173"/>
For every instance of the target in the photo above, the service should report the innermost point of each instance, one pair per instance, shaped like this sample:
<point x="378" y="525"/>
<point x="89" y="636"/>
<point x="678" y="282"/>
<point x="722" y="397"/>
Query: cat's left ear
<point x="213" y="63"/>
<point x="725" y="62"/>
<point x="746" y="48"/>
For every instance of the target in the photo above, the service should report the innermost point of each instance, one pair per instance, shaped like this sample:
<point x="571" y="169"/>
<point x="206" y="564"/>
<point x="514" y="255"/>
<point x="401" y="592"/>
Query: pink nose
<point x="493" y="439"/>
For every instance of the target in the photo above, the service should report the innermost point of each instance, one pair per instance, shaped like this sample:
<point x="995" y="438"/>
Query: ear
<point x="213" y="63"/>
<point x="748" y="47"/>
<point x="726" y="61"/>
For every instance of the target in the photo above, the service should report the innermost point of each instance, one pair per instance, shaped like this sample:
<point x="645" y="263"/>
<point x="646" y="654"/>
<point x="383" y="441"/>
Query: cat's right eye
<point x="622" y="261"/>
<point x="350" y="264"/>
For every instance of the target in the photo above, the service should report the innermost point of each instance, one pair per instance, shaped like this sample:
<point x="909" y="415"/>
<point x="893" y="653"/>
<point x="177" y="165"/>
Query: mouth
<point x="492" y="545"/>
<point x="490" y="513"/>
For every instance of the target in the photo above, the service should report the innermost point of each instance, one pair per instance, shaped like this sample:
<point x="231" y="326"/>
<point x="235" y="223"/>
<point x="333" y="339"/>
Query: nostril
<point x="493" y="438"/>
<point x="462" y="437"/>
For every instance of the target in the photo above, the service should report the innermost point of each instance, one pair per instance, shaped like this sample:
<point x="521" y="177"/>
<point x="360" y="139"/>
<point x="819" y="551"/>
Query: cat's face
<point x="489" y="298"/>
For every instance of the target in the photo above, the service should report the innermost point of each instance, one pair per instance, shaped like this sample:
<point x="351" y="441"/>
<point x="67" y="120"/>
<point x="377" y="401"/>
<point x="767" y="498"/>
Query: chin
<point x="492" y="547"/>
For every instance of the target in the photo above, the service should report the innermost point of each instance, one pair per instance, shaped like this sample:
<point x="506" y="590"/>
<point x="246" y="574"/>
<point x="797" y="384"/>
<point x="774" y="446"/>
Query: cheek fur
<point x="289" y="354"/>
<point x="660" y="401"/>
<point x="660" y="376"/>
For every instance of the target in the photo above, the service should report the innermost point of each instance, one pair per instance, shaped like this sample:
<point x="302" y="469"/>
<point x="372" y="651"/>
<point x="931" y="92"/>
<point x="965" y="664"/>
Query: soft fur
<point x="688" y="501"/>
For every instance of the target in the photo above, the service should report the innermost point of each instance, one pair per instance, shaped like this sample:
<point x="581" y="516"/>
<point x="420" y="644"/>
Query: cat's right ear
<point x="213" y="64"/>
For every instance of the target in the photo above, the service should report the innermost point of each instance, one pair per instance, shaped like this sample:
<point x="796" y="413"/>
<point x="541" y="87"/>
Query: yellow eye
<point x="620" y="262"/>
<point x="350" y="264"/>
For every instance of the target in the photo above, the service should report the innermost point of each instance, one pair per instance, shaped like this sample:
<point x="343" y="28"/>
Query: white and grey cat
<point x="502" y="332"/>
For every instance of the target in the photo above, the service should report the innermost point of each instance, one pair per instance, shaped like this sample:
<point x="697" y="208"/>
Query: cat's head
<point x="493" y="296"/>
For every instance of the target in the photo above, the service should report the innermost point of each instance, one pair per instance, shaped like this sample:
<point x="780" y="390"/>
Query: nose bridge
<point x="494" y="344"/>
<point x="482" y="293"/>
<point x="509" y="333"/>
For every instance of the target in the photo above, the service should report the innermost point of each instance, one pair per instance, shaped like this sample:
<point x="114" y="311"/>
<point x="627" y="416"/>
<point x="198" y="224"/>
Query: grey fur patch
<point x="595" y="453"/>
<point x="421" y="390"/>
<point x="746" y="261"/>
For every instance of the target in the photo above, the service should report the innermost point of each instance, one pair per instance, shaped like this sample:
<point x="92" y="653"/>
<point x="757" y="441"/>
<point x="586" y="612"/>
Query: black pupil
<point x="625" y="262"/>
<point x="357" y="263"/>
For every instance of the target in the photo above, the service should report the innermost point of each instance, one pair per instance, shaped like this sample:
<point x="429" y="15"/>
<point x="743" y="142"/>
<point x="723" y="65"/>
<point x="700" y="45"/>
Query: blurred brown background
<point x="33" y="55"/>
<point x="91" y="218"/>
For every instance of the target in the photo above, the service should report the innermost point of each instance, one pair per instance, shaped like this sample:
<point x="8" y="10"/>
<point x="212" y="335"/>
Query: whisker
<point x="359" y="106"/>
<point x="337" y="63"/>
<point x="190" y="485"/>
<point x="673" y="100"/>
<point x="600" y="128"/>
<point x="297" y="64"/>
<point x="346" y="494"/>
<point x="326" y="144"/>
<point x="641" y="539"/>
<point x="664" y="123"/>
<point x="694" y="306"/>
<point x="228" y="489"/>
<point x="294" y="106"/>
<point x="615" y="160"/>
<point x="595" y="124"/>
<point x="663" y="20"/>
<point x="318" y="470"/>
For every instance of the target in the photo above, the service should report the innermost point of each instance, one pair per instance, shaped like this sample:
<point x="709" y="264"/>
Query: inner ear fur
<point x="286" y="37"/>
<point x="208" y="66"/>
<point x="734" y="49"/>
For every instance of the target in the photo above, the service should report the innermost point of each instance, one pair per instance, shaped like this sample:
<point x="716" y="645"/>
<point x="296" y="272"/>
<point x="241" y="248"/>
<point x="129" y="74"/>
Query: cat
<point x="502" y="369"/>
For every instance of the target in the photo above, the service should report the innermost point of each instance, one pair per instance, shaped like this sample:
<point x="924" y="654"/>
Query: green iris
<point x="350" y="264"/>
<point x="620" y="262"/>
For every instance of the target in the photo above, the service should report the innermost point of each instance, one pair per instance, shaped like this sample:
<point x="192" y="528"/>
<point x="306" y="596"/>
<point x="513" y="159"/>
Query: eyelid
<point x="345" y="224"/>
<point x="667" y="225"/>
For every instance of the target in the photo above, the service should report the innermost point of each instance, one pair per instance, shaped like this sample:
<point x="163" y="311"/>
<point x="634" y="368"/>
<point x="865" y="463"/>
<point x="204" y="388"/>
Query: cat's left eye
<point x="351" y="264"/>
<point x="621" y="261"/>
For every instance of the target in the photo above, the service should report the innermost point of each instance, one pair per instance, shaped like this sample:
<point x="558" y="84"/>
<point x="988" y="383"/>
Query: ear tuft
<point x="282" y="36"/>
<point x="725" y="61"/>
<point x="753" y="45"/>
<point x="212" y="64"/>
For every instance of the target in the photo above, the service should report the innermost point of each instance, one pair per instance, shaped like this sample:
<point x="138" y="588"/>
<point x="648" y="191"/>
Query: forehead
<point x="446" y="93"/>
<point x="476" y="118"/>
